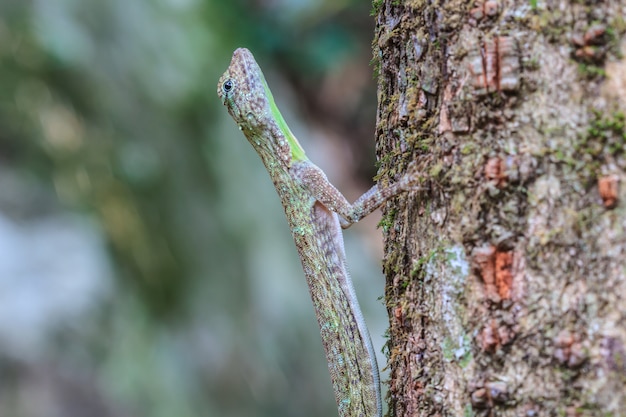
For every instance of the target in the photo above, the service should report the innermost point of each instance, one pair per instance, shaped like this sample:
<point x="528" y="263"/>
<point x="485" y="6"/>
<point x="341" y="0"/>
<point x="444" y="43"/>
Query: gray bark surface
<point x="506" y="282"/>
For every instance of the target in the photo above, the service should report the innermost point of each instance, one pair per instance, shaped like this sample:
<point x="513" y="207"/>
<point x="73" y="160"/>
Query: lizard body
<point x="316" y="211"/>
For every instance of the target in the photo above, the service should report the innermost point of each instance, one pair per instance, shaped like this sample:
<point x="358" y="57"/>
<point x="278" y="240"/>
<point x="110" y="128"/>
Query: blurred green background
<point x="146" y="268"/>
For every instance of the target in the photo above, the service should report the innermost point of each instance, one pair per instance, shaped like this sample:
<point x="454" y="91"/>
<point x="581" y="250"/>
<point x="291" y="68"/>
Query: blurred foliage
<point x="111" y="101"/>
<point x="112" y="106"/>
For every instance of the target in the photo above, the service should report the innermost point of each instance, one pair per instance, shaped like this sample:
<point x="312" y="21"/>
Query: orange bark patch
<point x="608" y="188"/>
<point x="494" y="171"/>
<point x="495" y="268"/>
<point x="495" y="65"/>
<point x="504" y="276"/>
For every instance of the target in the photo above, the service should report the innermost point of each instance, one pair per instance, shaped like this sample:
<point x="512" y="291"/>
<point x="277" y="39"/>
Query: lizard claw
<point x="413" y="179"/>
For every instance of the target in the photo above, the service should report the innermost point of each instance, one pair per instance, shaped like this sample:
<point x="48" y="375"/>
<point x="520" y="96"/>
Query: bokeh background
<point x="146" y="268"/>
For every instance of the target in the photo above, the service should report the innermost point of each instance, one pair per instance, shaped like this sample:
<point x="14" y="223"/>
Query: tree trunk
<point x="505" y="276"/>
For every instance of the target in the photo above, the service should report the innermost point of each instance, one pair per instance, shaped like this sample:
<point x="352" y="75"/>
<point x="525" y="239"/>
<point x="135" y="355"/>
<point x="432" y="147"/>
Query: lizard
<point x="316" y="212"/>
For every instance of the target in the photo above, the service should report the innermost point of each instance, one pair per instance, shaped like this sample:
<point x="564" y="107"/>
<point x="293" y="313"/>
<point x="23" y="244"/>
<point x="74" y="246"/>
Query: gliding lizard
<point x="316" y="212"/>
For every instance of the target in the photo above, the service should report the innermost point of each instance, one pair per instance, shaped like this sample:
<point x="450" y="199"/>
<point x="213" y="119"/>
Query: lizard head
<point x="241" y="89"/>
<point x="244" y="91"/>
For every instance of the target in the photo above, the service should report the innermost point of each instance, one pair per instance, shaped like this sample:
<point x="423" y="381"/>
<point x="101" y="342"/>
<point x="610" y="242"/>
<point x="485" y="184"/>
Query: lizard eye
<point x="228" y="86"/>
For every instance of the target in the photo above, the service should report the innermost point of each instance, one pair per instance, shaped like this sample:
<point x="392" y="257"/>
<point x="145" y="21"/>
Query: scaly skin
<point x="316" y="211"/>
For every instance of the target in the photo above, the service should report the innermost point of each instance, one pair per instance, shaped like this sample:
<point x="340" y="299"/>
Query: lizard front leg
<point x="316" y="182"/>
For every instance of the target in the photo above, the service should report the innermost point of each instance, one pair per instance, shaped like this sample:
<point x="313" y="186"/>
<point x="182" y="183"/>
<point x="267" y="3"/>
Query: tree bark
<point x="505" y="275"/>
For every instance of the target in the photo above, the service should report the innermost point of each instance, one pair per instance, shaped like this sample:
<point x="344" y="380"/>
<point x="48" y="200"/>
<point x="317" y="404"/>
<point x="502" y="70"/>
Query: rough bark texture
<point x="506" y="284"/>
